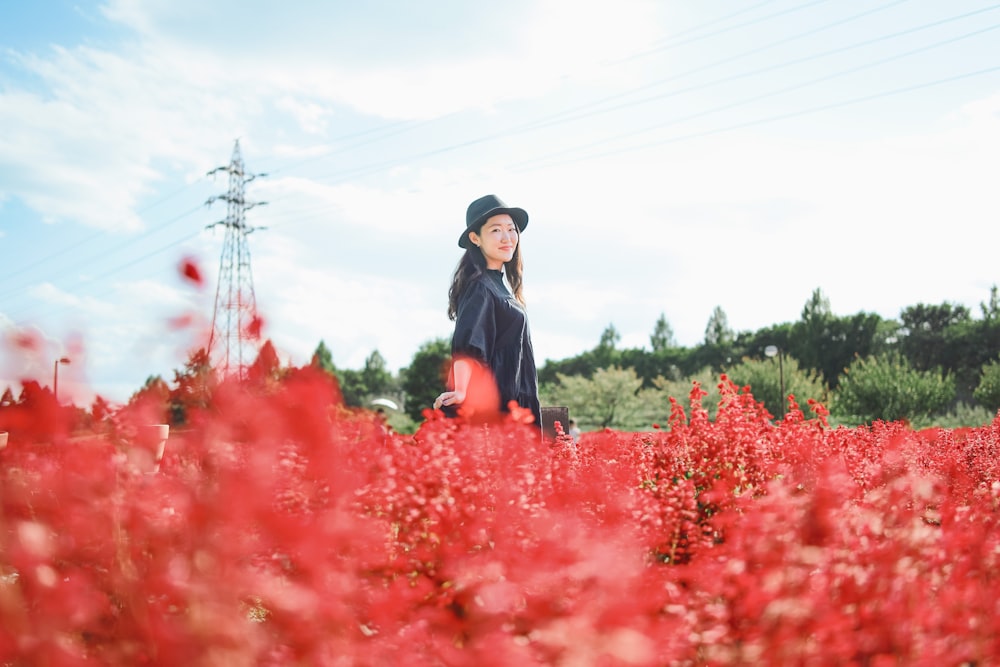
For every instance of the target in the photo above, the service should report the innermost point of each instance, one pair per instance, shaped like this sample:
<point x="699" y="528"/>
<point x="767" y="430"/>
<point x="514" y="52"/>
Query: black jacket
<point x="492" y="327"/>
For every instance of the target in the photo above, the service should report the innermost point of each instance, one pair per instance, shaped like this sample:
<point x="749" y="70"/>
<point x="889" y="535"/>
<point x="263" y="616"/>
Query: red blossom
<point x="26" y="340"/>
<point x="189" y="271"/>
<point x="254" y="328"/>
<point x="181" y="321"/>
<point x="283" y="528"/>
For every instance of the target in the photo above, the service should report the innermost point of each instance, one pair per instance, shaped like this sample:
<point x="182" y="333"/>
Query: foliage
<point x="959" y="416"/>
<point x="988" y="390"/>
<point x="923" y="333"/>
<point x="718" y="331"/>
<point x="888" y="388"/>
<point x="672" y="363"/>
<point x="677" y="390"/>
<point x="827" y="344"/>
<point x="323" y="358"/>
<point x="155" y="391"/>
<point x="376" y="377"/>
<point x="193" y="387"/>
<point x="662" y="337"/>
<point x="765" y="378"/>
<point x="352" y="386"/>
<point x="974" y="344"/>
<point x="279" y="531"/>
<point x="425" y="377"/>
<point x="612" y="398"/>
<point x="820" y="342"/>
<point x="609" y="338"/>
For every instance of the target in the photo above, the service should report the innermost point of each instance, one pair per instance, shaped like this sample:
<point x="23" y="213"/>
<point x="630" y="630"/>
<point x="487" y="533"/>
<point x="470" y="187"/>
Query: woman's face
<point x="497" y="238"/>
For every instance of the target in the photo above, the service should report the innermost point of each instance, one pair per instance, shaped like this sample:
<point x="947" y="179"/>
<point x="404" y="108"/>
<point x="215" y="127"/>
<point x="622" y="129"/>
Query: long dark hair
<point x="473" y="264"/>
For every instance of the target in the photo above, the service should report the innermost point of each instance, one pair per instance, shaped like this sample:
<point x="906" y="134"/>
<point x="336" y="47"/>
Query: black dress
<point x="492" y="327"/>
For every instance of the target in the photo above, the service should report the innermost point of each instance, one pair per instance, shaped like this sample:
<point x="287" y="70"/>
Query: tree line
<point x="935" y="364"/>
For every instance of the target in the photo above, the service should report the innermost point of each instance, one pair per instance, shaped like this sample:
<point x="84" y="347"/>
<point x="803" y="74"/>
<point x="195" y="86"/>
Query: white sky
<point x="673" y="157"/>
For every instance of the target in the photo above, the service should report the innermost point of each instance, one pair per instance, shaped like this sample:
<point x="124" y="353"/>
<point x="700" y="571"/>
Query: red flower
<point x="255" y="326"/>
<point x="190" y="271"/>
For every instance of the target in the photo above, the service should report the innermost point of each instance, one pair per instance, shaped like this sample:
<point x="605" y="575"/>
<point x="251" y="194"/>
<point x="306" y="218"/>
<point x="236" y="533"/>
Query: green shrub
<point x="680" y="389"/>
<point x="889" y="389"/>
<point x="960" y="416"/>
<point x="764" y="376"/>
<point x="988" y="391"/>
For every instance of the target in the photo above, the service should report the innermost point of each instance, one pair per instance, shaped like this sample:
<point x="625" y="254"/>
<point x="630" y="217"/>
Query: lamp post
<point x="55" y="376"/>
<point x="771" y="351"/>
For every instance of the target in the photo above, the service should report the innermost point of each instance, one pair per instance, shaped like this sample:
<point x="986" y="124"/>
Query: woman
<point x="491" y="326"/>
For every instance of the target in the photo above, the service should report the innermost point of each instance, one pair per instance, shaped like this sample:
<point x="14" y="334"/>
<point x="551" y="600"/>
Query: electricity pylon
<point x="235" y="326"/>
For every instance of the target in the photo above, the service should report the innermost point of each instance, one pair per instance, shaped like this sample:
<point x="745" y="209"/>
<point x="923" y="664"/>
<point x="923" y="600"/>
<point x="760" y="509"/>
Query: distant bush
<point x="887" y="388"/>
<point x="988" y="391"/>
<point x="764" y="377"/>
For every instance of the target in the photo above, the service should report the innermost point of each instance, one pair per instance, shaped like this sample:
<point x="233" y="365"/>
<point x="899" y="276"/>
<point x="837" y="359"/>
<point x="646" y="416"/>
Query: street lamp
<point x="55" y="376"/>
<point x="771" y="351"/>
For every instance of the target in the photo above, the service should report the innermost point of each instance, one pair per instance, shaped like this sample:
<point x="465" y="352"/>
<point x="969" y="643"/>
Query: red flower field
<point x="281" y="529"/>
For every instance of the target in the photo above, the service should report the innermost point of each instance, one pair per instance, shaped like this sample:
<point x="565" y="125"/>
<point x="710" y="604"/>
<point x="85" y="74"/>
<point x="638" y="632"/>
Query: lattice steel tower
<point x="234" y="320"/>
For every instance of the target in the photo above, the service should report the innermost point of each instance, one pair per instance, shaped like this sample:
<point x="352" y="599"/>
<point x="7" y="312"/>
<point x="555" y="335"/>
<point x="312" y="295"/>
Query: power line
<point x="373" y="135"/>
<point x="101" y="254"/>
<point x="779" y="117"/>
<point x="75" y="246"/>
<point x="780" y="91"/>
<point x="521" y="166"/>
<point x="722" y="31"/>
<point x="548" y="120"/>
<point x="398" y="127"/>
<point x="564" y="115"/>
<point x="378" y="166"/>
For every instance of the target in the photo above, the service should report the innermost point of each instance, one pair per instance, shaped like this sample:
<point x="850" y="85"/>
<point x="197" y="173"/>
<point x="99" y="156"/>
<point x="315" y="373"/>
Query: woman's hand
<point x="449" y="398"/>
<point x="462" y="370"/>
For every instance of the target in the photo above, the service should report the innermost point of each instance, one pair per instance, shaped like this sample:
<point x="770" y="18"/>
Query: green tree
<point x="154" y="398"/>
<point x="193" y="387"/>
<point x="585" y="364"/>
<point x="662" y="337"/>
<point x="923" y="334"/>
<point x="672" y="363"/>
<point x="266" y="372"/>
<point x="719" y="346"/>
<point x="717" y="331"/>
<point x="425" y="377"/>
<point x="376" y="377"/>
<point x="764" y="376"/>
<point x="352" y="387"/>
<point x="609" y="338"/>
<point x="100" y="412"/>
<point x="810" y="337"/>
<point x="987" y="392"/>
<point x="612" y="398"/>
<point x="991" y="309"/>
<point x="826" y="344"/>
<point x="680" y="390"/>
<point x="890" y="389"/>
<point x="753" y="343"/>
<point x="858" y="335"/>
<point x="971" y="344"/>
<point x="154" y="385"/>
<point x="323" y="359"/>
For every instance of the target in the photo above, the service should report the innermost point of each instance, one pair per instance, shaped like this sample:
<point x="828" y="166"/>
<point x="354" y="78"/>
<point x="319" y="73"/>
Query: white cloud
<point x="311" y="117"/>
<point x="361" y="238"/>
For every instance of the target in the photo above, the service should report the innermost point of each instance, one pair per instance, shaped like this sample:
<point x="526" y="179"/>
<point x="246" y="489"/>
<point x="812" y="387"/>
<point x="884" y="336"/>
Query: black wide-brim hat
<point x="485" y="208"/>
